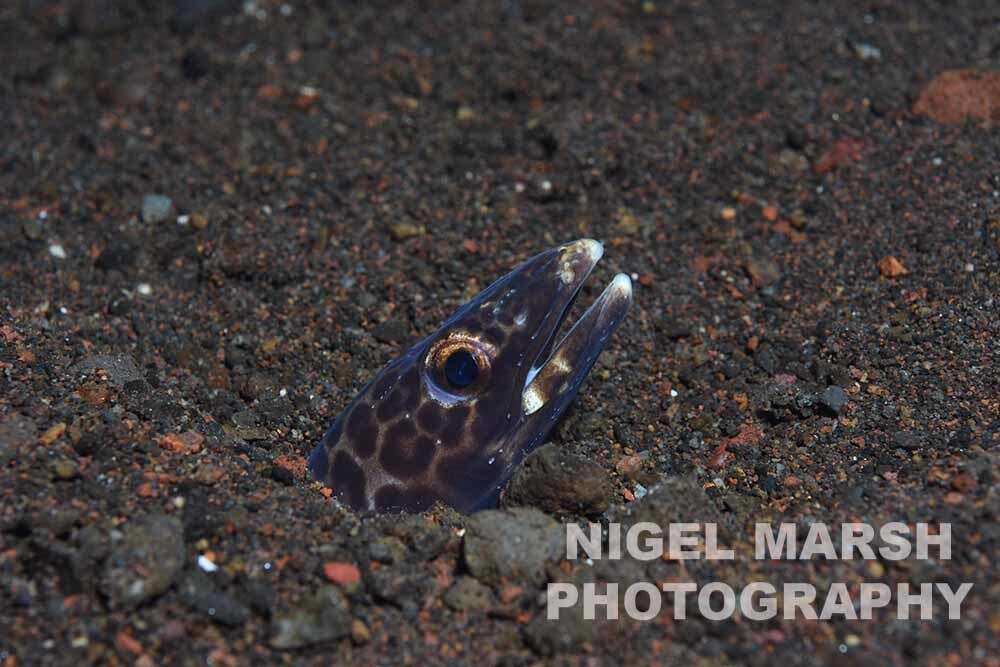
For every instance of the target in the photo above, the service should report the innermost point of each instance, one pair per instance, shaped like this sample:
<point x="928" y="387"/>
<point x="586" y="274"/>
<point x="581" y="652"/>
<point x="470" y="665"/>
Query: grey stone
<point x="246" y="418"/>
<point x="322" y="618"/>
<point x="468" y="594"/>
<point x="145" y="563"/>
<point x="833" y="400"/>
<point x="564" y="634"/>
<point x="120" y="368"/>
<point x="200" y="593"/>
<point x="512" y="544"/>
<point x="251" y="433"/>
<point x="556" y="481"/>
<point x="908" y="440"/>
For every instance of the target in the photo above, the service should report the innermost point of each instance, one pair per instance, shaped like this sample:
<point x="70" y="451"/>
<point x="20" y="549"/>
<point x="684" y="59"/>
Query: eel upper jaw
<point x="571" y="268"/>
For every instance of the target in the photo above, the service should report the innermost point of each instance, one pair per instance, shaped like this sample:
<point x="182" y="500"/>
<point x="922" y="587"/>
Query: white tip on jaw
<point x="593" y="249"/>
<point x="621" y="284"/>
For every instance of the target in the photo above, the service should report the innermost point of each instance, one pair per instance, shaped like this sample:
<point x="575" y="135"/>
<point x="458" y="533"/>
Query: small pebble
<point x="833" y="399"/>
<point x="156" y="208"/>
<point x="404" y="230"/>
<point x="908" y="440"/>
<point x="628" y="223"/>
<point x="65" y="469"/>
<point x="207" y="565"/>
<point x="346" y="575"/>
<point x="360" y="634"/>
<point x="890" y="267"/>
<point x="867" y="52"/>
<point x="32" y="230"/>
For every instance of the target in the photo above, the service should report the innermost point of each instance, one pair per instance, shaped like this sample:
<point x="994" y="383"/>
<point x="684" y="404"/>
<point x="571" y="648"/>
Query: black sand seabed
<point x="813" y="339"/>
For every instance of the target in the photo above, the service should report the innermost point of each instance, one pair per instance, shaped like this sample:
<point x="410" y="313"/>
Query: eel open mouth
<point x="560" y="368"/>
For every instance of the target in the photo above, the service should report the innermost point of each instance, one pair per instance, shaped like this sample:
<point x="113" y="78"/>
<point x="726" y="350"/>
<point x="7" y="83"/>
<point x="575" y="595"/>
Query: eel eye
<point x="459" y="365"/>
<point x="461" y="369"/>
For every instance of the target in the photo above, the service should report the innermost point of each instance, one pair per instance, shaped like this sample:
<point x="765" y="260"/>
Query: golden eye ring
<point x="460" y="364"/>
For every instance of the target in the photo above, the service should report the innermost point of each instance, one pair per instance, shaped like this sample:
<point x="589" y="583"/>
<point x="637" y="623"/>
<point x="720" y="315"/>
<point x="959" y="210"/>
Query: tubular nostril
<point x="578" y="258"/>
<point x="589" y="248"/>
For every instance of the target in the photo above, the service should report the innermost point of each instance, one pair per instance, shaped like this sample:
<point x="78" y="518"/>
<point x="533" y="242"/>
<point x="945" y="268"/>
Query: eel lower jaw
<point x="557" y="379"/>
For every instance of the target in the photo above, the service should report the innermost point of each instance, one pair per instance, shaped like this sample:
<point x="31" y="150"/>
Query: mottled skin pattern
<point x="412" y="437"/>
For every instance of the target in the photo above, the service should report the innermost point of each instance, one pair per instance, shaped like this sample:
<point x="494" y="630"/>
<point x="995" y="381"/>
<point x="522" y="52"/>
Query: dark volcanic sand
<point x="162" y="382"/>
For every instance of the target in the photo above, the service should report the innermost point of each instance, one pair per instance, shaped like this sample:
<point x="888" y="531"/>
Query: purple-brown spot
<point x="362" y="431"/>
<point x="347" y="479"/>
<point x="404" y="454"/>
<point x="429" y="417"/>
<point x="453" y="429"/>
